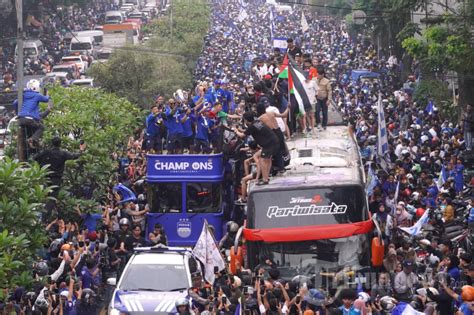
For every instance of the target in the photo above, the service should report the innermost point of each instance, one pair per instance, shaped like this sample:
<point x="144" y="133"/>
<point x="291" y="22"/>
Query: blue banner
<point x="182" y="168"/>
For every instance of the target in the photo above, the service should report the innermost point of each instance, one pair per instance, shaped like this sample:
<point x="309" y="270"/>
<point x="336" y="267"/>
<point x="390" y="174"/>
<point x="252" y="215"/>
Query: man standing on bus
<point x="324" y="97"/>
<point x="266" y="139"/>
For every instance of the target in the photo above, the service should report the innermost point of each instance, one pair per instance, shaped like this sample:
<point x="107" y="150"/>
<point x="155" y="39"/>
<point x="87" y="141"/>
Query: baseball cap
<point x="408" y="263"/>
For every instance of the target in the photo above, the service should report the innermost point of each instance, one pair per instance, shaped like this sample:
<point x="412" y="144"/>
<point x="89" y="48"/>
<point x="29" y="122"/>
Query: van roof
<point x="81" y="39"/>
<point x="32" y="43"/>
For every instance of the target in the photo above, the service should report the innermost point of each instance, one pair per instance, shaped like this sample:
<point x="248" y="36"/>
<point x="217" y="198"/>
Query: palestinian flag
<point x="296" y="77"/>
<point x="284" y="68"/>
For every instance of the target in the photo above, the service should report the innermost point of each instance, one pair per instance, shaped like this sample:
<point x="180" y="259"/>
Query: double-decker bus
<point x="312" y="221"/>
<point x="184" y="191"/>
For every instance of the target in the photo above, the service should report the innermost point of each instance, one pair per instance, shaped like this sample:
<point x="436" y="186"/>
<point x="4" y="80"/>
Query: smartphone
<point x="81" y="244"/>
<point x="262" y="290"/>
<point x="224" y="300"/>
<point x="262" y="282"/>
<point x="216" y="269"/>
<point x="298" y="299"/>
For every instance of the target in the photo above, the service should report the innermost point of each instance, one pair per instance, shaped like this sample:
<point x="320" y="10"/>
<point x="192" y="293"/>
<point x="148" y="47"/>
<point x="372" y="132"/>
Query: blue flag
<point x="382" y="140"/>
<point x="429" y="109"/>
<point x="372" y="181"/>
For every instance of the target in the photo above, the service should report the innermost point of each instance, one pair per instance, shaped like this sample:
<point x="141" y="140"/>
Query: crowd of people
<point x="238" y="79"/>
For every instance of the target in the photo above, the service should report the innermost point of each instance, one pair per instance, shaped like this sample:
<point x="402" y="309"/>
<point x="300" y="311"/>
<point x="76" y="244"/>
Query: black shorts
<point x="187" y="142"/>
<point x="174" y="142"/>
<point x="268" y="152"/>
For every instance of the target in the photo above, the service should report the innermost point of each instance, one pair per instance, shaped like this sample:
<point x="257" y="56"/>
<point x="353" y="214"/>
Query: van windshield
<point x="81" y="46"/>
<point x="29" y="51"/>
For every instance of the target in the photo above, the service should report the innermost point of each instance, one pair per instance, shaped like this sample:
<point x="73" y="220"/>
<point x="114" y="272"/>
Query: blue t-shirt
<point x="187" y="125"/>
<point x="152" y="128"/>
<point x="202" y="128"/>
<point x="90" y="220"/>
<point x="173" y="122"/>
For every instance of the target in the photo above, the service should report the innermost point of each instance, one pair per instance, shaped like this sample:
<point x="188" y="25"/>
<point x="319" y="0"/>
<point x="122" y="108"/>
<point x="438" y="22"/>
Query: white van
<point x="32" y="48"/>
<point x="82" y="44"/>
<point x="113" y="17"/>
<point x="97" y="35"/>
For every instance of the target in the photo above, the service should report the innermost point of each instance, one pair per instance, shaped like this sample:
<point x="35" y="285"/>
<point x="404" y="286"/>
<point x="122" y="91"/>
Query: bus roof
<point x="329" y="158"/>
<point x="120" y="27"/>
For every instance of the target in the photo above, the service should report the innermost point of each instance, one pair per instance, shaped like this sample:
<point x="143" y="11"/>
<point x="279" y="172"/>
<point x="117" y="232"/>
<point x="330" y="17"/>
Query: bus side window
<point x="193" y="265"/>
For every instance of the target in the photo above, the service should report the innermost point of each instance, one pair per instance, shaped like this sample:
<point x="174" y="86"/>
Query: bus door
<point x="183" y="191"/>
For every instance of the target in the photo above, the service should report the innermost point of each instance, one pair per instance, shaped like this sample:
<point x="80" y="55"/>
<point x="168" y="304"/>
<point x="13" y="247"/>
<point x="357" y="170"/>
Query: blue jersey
<point x="173" y="122"/>
<point x="203" y="125"/>
<point x="187" y="125"/>
<point x="152" y="128"/>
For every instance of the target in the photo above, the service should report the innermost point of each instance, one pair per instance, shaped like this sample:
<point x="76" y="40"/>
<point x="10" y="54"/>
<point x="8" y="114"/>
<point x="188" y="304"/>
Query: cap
<point x="408" y="263"/>
<point x="64" y="293"/>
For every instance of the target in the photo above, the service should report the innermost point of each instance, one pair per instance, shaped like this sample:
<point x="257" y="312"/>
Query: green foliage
<point x="165" y="63"/>
<point x="441" y="49"/>
<point x="23" y="195"/>
<point x="104" y="121"/>
<point x="437" y="92"/>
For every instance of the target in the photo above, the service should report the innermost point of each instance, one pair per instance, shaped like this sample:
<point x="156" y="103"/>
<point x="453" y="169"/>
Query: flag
<point x="416" y="229"/>
<point x="272" y="23"/>
<point x="443" y="176"/>
<point x="372" y="181"/>
<point x="304" y="23"/>
<point x="382" y="141"/>
<point x="283" y="71"/>
<point x="242" y="15"/>
<point x="429" y="109"/>
<point x="403" y="308"/>
<point x="238" y="309"/>
<point x="206" y="251"/>
<point x="397" y="191"/>
<point x="296" y="77"/>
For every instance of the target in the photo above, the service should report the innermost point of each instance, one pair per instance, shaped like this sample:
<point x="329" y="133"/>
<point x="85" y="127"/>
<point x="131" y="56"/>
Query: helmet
<point x="87" y="295"/>
<point x="388" y="303"/>
<point x="232" y="227"/>
<point x="41" y="304"/>
<point x="419" y="212"/>
<point x="124" y="221"/>
<point x="41" y="268"/>
<point x="364" y="297"/>
<point x="33" y="85"/>
<point x="56" y="245"/>
<point x="182" y="302"/>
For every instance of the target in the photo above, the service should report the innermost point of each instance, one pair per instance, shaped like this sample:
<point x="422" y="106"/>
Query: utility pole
<point x="171" y="20"/>
<point x="19" y="75"/>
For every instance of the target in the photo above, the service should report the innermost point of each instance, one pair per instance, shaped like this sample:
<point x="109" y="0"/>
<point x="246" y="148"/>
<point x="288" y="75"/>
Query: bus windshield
<point x="81" y="46"/>
<point x="306" y="207"/>
<point x="166" y="197"/>
<point x="322" y="258"/>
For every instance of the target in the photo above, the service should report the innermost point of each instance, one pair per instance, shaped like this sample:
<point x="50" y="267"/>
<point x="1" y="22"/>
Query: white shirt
<point x="311" y="88"/>
<point x="280" y="122"/>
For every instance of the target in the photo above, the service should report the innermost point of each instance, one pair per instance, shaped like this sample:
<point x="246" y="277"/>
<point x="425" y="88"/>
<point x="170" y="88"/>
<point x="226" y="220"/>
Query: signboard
<point x="307" y="206"/>
<point x="182" y="168"/>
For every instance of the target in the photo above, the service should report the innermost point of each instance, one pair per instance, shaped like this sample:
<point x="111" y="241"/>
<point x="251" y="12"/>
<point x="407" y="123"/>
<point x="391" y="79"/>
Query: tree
<point x="105" y="122"/>
<point x="23" y="194"/>
<point x="166" y="63"/>
<point x="448" y="47"/>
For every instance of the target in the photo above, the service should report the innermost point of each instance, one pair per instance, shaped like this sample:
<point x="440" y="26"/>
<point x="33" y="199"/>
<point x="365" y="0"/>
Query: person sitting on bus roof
<point x="266" y="139"/>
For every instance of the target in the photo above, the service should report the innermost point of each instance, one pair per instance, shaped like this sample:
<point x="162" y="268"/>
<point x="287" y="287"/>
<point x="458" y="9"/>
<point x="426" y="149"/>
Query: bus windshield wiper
<point x="178" y="289"/>
<point x="145" y="289"/>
